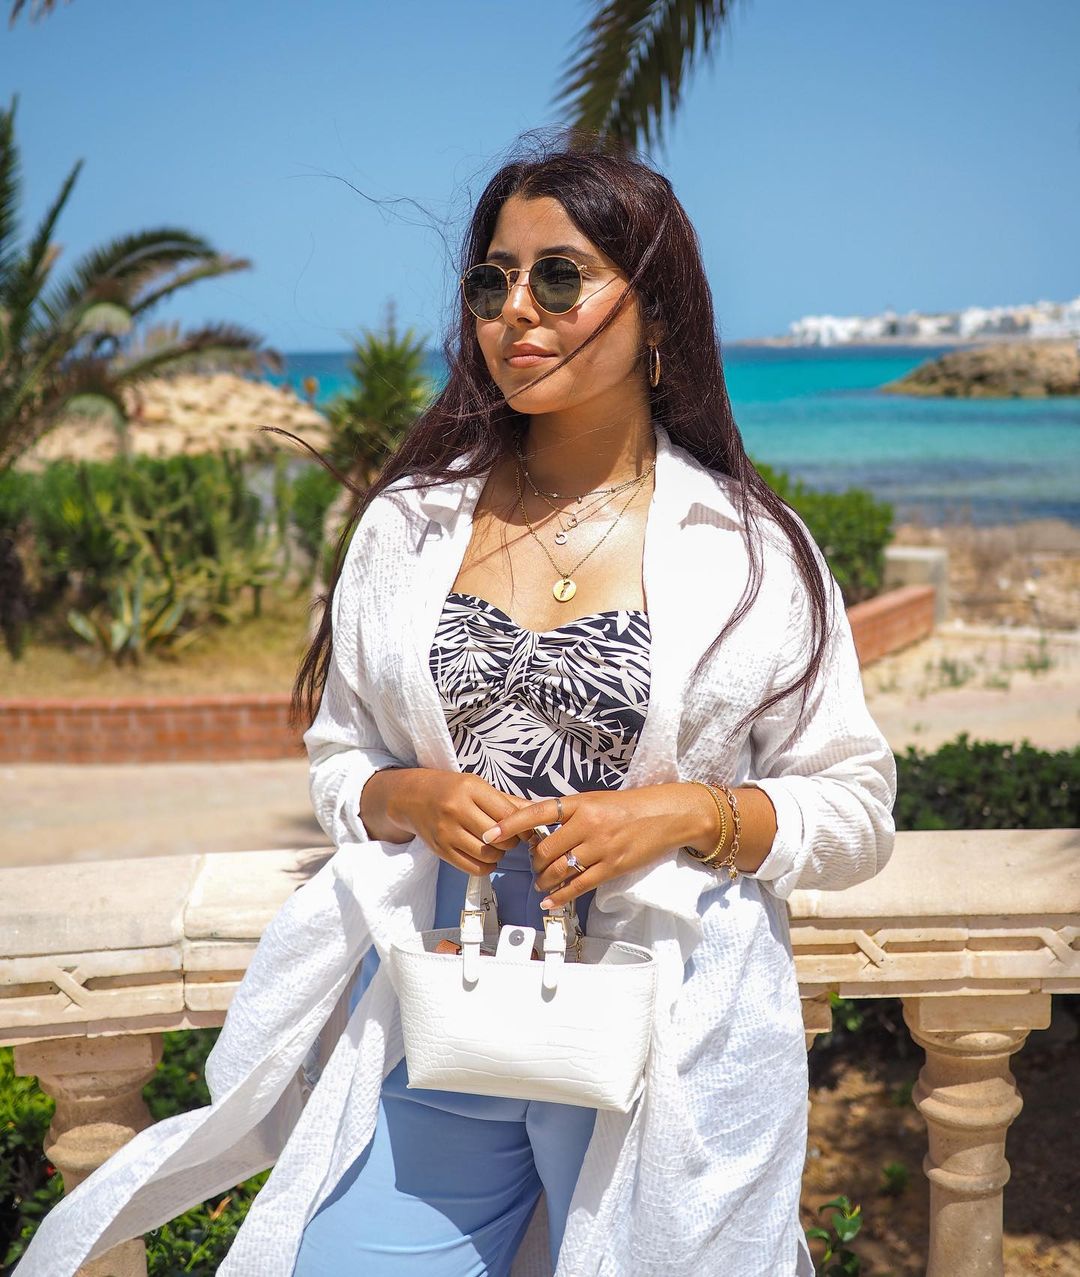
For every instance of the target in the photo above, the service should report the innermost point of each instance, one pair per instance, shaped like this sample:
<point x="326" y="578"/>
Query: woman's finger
<point x="551" y="848"/>
<point x="467" y="864"/>
<point x="576" y="885"/>
<point x="557" y="871"/>
<point x="545" y="811"/>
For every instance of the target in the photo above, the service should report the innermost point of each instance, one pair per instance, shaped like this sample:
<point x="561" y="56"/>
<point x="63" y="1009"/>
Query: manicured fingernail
<point x="491" y="835"/>
<point x="546" y="903"/>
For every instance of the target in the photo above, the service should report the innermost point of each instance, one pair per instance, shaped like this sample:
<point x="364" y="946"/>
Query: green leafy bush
<point x="986" y="785"/>
<point x="852" y="529"/>
<point x="29" y="1184"/>
<point x="839" y="1260"/>
<point x="191" y="528"/>
<point x="314" y="489"/>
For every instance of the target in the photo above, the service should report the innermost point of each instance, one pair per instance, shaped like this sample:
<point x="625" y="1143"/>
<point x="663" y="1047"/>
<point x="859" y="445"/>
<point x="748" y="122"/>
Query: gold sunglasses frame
<point x="584" y="270"/>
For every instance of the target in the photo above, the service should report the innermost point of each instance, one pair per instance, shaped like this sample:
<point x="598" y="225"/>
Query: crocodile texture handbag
<point x="572" y="1028"/>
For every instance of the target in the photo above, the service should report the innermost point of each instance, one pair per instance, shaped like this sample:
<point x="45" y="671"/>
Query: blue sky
<point x="835" y="157"/>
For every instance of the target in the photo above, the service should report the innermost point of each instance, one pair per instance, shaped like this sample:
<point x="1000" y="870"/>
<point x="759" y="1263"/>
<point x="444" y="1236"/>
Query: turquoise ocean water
<point x="818" y="414"/>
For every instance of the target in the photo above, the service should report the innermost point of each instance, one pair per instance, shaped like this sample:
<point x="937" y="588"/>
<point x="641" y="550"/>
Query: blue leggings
<point x="449" y="1181"/>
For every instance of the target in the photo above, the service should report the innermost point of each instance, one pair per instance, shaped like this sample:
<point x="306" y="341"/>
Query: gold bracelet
<point x="728" y="862"/>
<point x="702" y="856"/>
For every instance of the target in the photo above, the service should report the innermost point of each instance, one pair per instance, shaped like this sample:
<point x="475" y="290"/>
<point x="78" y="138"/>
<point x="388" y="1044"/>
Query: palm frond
<point x="10" y="189"/>
<point x="219" y="264"/>
<point x="222" y="343"/>
<point x="38" y="9"/>
<point x="23" y="283"/>
<point x="627" y="82"/>
<point x="125" y="263"/>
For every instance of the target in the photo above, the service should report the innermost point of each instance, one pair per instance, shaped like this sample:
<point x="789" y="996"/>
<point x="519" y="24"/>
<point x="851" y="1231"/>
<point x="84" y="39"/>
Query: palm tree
<point x="38" y="9"/>
<point x="628" y="78"/>
<point x="70" y="346"/>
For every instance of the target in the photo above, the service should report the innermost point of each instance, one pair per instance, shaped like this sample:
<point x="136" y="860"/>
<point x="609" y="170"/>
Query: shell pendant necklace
<point x="565" y="587"/>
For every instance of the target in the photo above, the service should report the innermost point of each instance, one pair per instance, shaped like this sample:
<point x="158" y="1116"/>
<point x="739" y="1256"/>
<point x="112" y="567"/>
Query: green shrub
<point x="852" y="529"/>
<point x="313" y="491"/>
<point x="191" y="528"/>
<point x="986" y="785"/>
<point x="29" y="1185"/>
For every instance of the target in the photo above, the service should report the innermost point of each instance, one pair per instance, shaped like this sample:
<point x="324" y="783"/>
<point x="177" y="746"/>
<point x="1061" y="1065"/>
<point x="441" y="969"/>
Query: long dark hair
<point x="630" y="212"/>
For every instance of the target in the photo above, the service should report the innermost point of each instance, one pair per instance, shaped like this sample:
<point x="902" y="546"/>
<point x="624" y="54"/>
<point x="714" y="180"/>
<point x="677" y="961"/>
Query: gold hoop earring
<point x="654" y="372"/>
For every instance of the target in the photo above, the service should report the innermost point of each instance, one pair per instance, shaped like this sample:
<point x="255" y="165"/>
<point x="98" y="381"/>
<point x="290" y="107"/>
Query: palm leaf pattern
<point x="540" y="714"/>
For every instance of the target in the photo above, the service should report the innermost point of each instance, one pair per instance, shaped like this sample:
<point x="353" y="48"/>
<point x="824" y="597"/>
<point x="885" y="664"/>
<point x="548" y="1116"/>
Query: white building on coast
<point x="1038" y="319"/>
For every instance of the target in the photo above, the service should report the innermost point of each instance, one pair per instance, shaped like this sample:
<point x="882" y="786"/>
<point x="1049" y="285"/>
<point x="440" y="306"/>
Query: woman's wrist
<point x="383" y="804"/>
<point x="757" y="820"/>
<point x="704" y="825"/>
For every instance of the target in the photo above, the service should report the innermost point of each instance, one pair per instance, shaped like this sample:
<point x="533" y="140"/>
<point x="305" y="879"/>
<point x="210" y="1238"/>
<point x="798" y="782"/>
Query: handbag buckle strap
<point x="567" y="915"/>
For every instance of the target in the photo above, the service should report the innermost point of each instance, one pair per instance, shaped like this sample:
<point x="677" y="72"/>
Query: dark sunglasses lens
<point x="556" y="284"/>
<point x="485" y="291"/>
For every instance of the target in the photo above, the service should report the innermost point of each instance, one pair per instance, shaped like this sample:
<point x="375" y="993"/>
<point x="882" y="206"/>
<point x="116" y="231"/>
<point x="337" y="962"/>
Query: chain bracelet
<point x="728" y="862"/>
<point x="706" y="858"/>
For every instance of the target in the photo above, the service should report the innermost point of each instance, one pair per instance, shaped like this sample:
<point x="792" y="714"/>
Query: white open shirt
<point x="702" y="1177"/>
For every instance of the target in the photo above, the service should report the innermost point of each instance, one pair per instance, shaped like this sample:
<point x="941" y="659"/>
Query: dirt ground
<point x="999" y="683"/>
<point x="1023" y="574"/>
<point x="862" y="1120"/>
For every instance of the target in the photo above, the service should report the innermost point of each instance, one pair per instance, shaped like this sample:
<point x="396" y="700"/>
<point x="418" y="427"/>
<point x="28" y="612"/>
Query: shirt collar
<point x="681" y="482"/>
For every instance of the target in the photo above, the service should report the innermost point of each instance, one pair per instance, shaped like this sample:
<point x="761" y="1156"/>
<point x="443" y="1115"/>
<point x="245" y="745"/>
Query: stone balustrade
<point x="972" y="930"/>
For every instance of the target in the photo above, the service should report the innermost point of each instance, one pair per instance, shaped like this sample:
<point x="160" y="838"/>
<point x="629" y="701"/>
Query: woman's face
<point x="525" y="230"/>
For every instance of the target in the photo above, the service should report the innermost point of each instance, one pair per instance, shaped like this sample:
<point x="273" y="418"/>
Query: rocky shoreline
<point x="1005" y="370"/>
<point x="189" y="414"/>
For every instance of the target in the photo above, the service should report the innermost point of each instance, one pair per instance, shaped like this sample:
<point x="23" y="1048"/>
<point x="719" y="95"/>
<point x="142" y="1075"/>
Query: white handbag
<point x="573" y="1028"/>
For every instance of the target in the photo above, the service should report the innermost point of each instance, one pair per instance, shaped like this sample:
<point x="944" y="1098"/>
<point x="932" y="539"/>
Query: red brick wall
<point x="891" y="621"/>
<point x="145" y="730"/>
<point x="239" y="726"/>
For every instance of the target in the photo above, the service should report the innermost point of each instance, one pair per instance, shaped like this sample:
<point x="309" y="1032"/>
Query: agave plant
<point x="70" y="345"/>
<point x="142" y="616"/>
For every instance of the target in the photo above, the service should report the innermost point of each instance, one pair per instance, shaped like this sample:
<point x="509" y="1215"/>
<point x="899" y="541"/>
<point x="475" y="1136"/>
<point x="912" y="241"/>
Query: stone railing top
<point x="133" y="946"/>
<point x="957" y="873"/>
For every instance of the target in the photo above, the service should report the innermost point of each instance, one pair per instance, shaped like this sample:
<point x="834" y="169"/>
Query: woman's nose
<point x="519" y="302"/>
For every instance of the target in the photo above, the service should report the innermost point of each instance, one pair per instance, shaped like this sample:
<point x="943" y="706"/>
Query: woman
<point x="569" y="600"/>
<point x="586" y="326"/>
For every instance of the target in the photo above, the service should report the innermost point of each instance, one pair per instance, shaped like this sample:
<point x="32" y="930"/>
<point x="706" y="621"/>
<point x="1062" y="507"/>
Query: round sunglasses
<point x="555" y="284"/>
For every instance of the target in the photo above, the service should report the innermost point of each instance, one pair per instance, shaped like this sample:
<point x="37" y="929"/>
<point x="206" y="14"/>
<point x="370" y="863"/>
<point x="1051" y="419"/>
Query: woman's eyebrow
<point x="570" y="250"/>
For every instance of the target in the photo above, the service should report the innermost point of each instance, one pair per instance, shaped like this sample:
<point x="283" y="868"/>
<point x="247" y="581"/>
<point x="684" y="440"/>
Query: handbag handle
<point x="480" y="921"/>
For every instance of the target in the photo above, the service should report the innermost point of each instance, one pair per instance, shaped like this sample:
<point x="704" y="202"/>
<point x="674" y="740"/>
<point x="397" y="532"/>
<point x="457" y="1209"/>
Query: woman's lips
<point x="526" y="361"/>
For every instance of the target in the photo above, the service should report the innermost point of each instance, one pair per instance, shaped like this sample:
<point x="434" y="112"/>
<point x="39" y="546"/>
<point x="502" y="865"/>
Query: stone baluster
<point x="968" y="1098"/>
<point x="97" y="1085"/>
<point x="817" y="1017"/>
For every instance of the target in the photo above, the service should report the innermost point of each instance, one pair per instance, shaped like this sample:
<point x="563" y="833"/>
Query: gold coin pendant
<point x="564" y="589"/>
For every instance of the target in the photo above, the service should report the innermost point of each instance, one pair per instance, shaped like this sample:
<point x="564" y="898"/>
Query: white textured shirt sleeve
<point x="825" y="766"/>
<point x="343" y="743"/>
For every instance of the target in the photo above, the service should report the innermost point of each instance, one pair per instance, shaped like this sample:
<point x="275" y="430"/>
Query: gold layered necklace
<point x="565" y="587"/>
<point x="571" y="519"/>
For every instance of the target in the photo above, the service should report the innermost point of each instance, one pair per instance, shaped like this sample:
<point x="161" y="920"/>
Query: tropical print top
<point x="540" y="714"/>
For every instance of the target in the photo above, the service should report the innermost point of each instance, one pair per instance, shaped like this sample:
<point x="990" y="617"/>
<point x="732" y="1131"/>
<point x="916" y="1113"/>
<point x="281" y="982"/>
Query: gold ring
<point x="558" y="808"/>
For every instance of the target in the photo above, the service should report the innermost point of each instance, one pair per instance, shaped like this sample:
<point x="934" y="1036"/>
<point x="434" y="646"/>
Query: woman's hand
<point x="449" y="811"/>
<point x="611" y="832"/>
